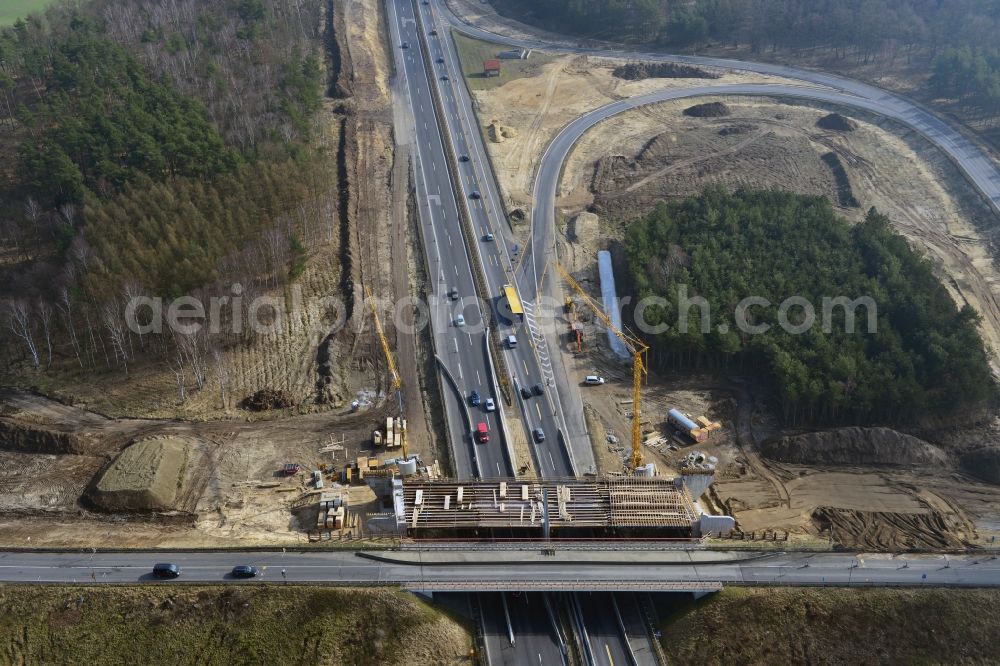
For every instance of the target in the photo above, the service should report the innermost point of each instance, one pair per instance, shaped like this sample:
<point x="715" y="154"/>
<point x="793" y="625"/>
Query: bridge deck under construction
<point x="605" y="506"/>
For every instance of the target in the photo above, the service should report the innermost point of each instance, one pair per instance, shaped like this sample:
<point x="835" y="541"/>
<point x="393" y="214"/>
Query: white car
<point x="593" y="380"/>
<point x="460" y="320"/>
<point x="490" y="405"/>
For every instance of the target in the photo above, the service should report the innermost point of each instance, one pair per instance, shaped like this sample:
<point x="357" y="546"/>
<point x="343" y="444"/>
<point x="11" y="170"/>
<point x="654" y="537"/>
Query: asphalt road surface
<point x="529" y="363"/>
<point x="461" y="348"/>
<point x="349" y="568"/>
<point x="531" y="625"/>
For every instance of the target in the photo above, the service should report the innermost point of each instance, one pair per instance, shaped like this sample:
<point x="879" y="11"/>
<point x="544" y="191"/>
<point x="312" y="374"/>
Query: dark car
<point x="440" y="61"/>
<point x="445" y="78"/>
<point x="434" y="33"/>
<point x="525" y="392"/>
<point x="474" y="398"/>
<point x="539" y="435"/>
<point x="475" y="195"/>
<point x="463" y="158"/>
<point x="453" y="294"/>
<point x="538" y="389"/>
<point x="405" y="45"/>
<point x="244" y="571"/>
<point x="166" y="570"/>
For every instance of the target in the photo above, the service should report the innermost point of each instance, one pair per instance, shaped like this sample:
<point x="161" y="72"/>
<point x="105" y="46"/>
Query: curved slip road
<point x="973" y="162"/>
<point x="971" y="159"/>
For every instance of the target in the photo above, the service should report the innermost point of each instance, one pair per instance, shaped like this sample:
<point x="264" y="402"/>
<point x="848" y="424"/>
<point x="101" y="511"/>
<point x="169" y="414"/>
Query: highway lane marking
<point x="470" y="338"/>
<point x="608" y="650"/>
<point x="539" y="410"/>
<point x="478" y="378"/>
<point x="460" y="376"/>
<point x="525" y="363"/>
<point x="552" y="461"/>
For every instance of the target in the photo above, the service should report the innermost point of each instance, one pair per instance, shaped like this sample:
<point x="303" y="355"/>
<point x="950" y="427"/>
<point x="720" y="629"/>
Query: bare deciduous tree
<point x="65" y="306"/>
<point x="114" y="324"/>
<point x="45" y="317"/>
<point x="19" y="320"/>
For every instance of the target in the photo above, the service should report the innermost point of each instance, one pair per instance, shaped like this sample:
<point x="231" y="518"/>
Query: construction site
<point x="626" y="507"/>
<point x="342" y="414"/>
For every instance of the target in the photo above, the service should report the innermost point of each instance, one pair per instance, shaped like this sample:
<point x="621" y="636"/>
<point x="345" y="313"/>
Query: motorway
<point x="461" y="349"/>
<point x="529" y="362"/>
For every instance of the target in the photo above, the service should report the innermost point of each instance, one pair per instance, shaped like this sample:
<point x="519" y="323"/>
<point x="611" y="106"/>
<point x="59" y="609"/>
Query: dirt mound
<point x="845" y="193"/>
<point x="983" y="464"/>
<point x="500" y="133"/>
<point x="637" y="71"/>
<point x="582" y="227"/>
<point x="885" y="531"/>
<point x="16" y="435"/>
<point x="266" y="399"/>
<point x="708" y="110"/>
<point x="852" y="446"/>
<point x="836" y="122"/>
<point x="146" y="476"/>
<point x="737" y="129"/>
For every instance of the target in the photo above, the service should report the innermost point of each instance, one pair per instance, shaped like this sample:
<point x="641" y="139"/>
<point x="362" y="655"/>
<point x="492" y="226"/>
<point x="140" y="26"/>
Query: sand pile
<point x="836" y="122"/>
<point x="852" y="446"/>
<point x="146" y="476"/>
<point x="707" y="110"/>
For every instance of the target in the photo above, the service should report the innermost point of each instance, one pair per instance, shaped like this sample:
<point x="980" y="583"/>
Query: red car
<point x="482" y="433"/>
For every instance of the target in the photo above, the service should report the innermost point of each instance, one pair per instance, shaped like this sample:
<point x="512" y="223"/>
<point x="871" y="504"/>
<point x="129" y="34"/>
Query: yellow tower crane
<point x="637" y="348"/>
<point x="397" y="381"/>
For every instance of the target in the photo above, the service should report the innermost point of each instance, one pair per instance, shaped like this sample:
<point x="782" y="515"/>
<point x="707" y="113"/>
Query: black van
<point x="166" y="570"/>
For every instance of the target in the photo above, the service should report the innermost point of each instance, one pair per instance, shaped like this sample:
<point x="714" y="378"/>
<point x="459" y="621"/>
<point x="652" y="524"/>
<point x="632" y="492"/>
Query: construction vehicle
<point x="637" y="349"/>
<point x="395" y="431"/>
<point x="290" y="469"/>
<point x="575" y="335"/>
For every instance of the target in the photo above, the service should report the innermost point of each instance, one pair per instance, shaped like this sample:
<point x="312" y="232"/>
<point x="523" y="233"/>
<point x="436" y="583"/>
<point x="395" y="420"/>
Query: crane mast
<point x="396" y="380"/>
<point x="637" y="348"/>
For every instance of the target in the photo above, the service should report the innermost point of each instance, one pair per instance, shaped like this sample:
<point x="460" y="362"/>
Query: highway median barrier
<point x="468" y="232"/>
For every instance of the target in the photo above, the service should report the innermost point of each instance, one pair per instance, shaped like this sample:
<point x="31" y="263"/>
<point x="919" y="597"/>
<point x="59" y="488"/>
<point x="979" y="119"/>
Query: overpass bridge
<point x="624" y="570"/>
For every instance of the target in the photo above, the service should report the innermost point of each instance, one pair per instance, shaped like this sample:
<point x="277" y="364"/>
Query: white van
<point x="511" y="341"/>
<point x="593" y="380"/>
